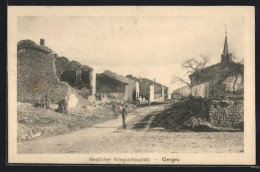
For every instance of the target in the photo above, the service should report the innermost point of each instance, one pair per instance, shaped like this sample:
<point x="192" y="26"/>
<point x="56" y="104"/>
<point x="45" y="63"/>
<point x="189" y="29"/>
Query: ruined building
<point x="146" y="88"/>
<point x="113" y="86"/>
<point x="76" y="75"/>
<point x="41" y="72"/>
<point x="36" y="73"/>
<point x="160" y="92"/>
<point x="219" y="80"/>
<point x="151" y="90"/>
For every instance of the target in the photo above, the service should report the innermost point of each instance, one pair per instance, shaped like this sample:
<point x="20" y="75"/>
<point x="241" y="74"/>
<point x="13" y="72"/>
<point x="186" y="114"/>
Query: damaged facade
<point x="36" y="73"/>
<point x="150" y="90"/>
<point x="41" y="71"/>
<point x="160" y="92"/>
<point x="76" y="75"/>
<point x="113" y="86"/>
<point x="146" y="88"/>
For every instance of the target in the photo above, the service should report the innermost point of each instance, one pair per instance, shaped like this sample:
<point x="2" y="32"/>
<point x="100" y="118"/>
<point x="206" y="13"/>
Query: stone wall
<point x="61" y="63"/>
<point x="131" y="90"/>
<point x="76" y="75"/>
<point x="226" y="113"/>
<point x="36" y="76"/>
<point x="157" y="91"/>
<point x="222" y="113"/>
<point x="151" y="93"/>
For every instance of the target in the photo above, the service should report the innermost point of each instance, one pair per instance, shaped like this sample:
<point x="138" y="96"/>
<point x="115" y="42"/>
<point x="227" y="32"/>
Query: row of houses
<point x="106" y="85"/>
<point x="129" y="88"/>
<point x="109" y="85"/>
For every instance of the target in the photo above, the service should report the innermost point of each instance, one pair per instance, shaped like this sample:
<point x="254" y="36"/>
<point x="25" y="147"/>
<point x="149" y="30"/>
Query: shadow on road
<point x="144" y="123"/>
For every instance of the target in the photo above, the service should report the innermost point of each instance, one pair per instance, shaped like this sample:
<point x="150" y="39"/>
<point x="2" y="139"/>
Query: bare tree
<point x="192" y="65"/>
<point x="236" y="58"/>
<point x="176" y="79"/>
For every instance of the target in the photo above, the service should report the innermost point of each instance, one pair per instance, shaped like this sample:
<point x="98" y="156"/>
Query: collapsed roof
<point x="117" y="77"/>
<point x="28" y="44"/>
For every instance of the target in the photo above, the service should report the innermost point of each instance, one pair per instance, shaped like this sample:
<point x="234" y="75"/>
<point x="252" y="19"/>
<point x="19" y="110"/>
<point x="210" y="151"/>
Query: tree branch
<point x="195" y="65"/>
<point x="176" y="79"/>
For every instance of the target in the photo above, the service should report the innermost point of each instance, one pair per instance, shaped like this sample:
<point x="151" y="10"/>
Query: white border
<point x="246" y="158"/>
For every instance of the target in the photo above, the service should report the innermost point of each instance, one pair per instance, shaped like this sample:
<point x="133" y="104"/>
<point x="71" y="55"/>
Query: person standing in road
<point x="124" y="113"/>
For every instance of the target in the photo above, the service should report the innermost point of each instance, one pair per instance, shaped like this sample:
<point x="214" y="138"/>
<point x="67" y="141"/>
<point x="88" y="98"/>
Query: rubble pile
<point x="34" y="122"/>
<point x="189" y="116"/>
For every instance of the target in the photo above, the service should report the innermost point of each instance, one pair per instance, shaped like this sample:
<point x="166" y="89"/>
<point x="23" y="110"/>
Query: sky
<point x="153" y="47"/>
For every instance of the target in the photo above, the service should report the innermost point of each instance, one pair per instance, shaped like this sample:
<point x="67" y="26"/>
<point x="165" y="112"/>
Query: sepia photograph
<point x="131" y="85"/>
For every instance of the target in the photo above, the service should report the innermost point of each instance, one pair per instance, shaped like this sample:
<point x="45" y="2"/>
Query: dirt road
<point x="110" y="137"/>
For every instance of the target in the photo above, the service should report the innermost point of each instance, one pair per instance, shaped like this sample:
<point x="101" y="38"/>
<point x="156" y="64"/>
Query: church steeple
<point x="225" y="55"/>
<point x="225" y="50"/>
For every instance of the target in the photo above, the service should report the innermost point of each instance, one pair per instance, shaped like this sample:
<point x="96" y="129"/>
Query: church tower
<point x="225" y="55"/>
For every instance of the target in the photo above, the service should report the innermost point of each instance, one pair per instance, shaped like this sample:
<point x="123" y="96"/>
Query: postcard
<point x="153" y="85"/>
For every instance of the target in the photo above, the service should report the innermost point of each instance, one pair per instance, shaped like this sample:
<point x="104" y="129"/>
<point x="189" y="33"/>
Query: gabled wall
<point x="151" y="93"/>
<point x="131" y="91"/>
<point x="36" y="75"/>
